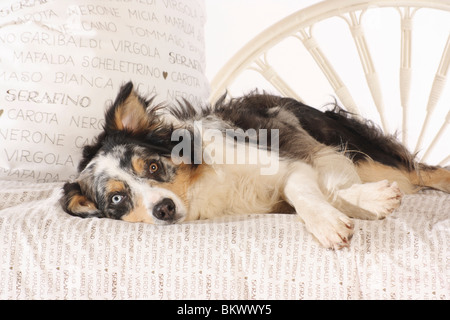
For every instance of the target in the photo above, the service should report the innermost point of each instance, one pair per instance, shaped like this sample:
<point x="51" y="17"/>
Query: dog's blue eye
<point x="117" y="198"/>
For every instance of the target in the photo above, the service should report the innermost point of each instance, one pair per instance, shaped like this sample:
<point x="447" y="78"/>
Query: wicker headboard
<point x="425" y="131"/>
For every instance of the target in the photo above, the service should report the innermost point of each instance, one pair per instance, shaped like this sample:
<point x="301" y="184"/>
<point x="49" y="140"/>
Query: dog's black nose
<point x="164" y="210"/>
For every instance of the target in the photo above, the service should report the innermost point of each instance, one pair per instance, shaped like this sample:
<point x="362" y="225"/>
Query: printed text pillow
<point x="63" y="62"/>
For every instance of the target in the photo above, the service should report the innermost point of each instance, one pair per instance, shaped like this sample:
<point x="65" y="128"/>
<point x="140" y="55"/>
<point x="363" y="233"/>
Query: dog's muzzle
<point x="165" y="210"/>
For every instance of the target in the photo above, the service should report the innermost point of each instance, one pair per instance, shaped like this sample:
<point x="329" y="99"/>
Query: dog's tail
<point x="377" y="156"/>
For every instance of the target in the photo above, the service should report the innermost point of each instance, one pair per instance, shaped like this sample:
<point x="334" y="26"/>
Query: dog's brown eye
<point x="153" y="167"/>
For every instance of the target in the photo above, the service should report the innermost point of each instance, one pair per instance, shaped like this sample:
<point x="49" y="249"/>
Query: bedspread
<point x="47" y="254"/>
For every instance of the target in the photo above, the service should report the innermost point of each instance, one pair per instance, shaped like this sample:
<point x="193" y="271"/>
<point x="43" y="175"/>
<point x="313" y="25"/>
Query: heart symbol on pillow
<point x="165" y="74"/>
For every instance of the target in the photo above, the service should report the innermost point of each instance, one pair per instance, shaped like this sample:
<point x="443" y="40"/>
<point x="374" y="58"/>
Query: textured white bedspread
<point x="47" y="254"/>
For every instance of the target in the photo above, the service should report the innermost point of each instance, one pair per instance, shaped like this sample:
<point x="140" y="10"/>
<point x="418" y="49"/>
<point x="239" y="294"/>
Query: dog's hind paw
<point x="376" y="199"/>
<point x="382" y="199"/>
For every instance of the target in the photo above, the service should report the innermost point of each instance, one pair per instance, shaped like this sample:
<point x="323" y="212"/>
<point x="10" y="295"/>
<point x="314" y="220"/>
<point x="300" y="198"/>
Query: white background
<point x="230" y="24"/>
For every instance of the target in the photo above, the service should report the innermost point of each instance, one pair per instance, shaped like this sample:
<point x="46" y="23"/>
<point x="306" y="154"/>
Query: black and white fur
<point x="332" y="167"/>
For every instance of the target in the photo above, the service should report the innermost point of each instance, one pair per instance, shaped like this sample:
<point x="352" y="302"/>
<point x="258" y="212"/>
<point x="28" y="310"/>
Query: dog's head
<point x="128" y="173"/>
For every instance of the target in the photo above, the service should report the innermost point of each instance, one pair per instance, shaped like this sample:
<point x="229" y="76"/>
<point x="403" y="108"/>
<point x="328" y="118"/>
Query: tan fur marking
<point x="114" y="186"/>
<point x="81" y="204"/>
<point x="408" y="181"/>
<point x="183" y="180"/>
<point x="437" y="178"/>
<point x="118" y="119"/>
<point x="139" y="214"/>
<point x="138" y="165"/>
<point x="370" y="171"/>
<point x="131" y="115"/>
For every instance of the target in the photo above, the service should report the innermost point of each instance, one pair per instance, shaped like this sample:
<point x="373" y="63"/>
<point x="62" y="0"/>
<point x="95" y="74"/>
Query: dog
<point x="167" y="164"/>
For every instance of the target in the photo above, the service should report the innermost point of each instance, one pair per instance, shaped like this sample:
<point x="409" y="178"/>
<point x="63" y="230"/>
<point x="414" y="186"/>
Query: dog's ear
<point x="128" y="112"/>
<point x="75" y="203"/>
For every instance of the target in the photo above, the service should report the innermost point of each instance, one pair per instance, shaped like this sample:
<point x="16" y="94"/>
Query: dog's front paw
<point x="332" y="229"/>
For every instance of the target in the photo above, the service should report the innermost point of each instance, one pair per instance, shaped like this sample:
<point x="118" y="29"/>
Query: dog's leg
<point x="369" y="201"/>
<point x="340" y="181"/>
<point x="332" y="228"/>
<point x="336" y="171"/>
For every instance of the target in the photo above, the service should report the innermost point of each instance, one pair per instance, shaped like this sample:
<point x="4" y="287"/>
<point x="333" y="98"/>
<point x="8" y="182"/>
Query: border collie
<point x="255" y="154"/>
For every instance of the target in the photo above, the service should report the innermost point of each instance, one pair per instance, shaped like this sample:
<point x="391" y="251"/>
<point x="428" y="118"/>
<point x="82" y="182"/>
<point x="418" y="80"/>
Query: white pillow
<point x="63" y="62"/>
